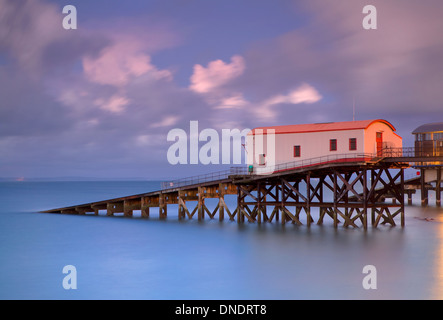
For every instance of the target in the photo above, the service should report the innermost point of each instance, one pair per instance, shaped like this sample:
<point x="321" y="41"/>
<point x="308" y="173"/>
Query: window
<point x="438" y="136"/>
<point x="353" y="144"/>
<point x="424" y="136"/>
<point x="333" y="145"/>
<point x="297" y="151"/>
<point x="262" y="159"/>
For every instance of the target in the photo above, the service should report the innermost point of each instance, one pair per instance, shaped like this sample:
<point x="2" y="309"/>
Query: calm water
<point x="134" y="258"/>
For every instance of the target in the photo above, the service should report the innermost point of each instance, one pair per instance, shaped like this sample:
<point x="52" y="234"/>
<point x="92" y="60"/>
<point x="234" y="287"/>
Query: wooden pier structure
<point x="348" y="189"/>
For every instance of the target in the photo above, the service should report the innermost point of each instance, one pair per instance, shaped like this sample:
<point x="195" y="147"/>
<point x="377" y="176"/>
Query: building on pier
<point x="329" y="141"/>
<point x="429" y="139"/>
<point x="429" y="143"/>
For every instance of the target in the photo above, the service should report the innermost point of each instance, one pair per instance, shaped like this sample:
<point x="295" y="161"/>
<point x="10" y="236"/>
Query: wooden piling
<point x="438" y="188"/>
<point x="423" y="189"/>
<point x="145" y="204"/>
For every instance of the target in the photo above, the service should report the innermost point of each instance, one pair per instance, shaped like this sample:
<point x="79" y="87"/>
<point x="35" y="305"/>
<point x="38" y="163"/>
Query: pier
<point x="349" y="189"/>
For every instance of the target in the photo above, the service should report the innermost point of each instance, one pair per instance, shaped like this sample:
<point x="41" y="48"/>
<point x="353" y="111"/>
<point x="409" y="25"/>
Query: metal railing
<point x="223" y="175"/>
<point x="214" y="176"/>
<point x="407" y="152"/>
<point x="300" y="164"/>
<point x="410" y="152"/>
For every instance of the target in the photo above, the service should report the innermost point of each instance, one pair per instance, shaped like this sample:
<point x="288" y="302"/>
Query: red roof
<point x="328" y="126"/>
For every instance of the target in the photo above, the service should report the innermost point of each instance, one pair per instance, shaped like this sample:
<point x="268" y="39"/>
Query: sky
<point x="98" y="101"/>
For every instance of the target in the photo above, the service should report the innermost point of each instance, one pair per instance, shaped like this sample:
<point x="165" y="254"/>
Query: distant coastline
<point x="70" y="179"/>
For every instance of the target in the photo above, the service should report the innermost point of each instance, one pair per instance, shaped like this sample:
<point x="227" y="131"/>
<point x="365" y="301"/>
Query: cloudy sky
<point x="99" y="101"/>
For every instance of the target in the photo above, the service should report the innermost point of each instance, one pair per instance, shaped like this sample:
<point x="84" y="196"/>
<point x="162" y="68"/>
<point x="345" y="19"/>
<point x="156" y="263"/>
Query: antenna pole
<point x="353" y="108"/>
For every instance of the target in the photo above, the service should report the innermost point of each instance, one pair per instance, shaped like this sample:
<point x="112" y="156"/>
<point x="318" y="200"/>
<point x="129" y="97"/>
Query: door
<point x="379" y="142"/>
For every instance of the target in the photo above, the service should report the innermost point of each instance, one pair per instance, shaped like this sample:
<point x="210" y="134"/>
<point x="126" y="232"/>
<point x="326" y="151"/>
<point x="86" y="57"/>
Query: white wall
<point x="317" y="144"/>
<point x="312" y="144"/>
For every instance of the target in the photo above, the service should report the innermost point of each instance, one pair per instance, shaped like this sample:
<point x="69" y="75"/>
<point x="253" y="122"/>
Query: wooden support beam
<point x="282" y="204"/>
<point x="245" y="214"/>
<point x="110" y="209"/>
<point x="127" y="209"/>
<point x="347" y="218"/>
<point x="438" y="188"/>
<point x="388" y="217"/>
<point x="221" y="203"/>
<point x="264" y="208"/>
<point x="308" y="199"/>
<point x="349" y="186"/>
<point x="385" y="214"/>
<point x="193" y="212"/>
<point x="162" y="206"/>
<point x="69" y="211"/>
<point x="239" y="204"/>
<point x="80" y="210"/>
<point x="247" y="192"/>
<point x="181" y="206"/>
<point x="98" y="207"/>
<point x="365" y="199"/>
<point x="424" y="191"/>
<point x="291" y="216"/>
<point x="259" y="199"/>
<point x="317" y="191"/>
<point x="145" y="202"/>
<point x="271" y="217"/>
<point x="114" y="207"/>
<point x="409" y="193"/>
<point x="268" y="191"/>
<point x="171" y="197"/>
<point x="327" y="211"/>
<point x="210" y="214"/>
<point x="394" y="189"/>
<point x="402" y="197"/>
<point x="201" y="203"/>
<point x="295" y="190"/>
<point x="334" y="184"/>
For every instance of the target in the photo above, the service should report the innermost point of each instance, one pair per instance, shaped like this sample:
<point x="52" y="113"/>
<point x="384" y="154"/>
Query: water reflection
<point x="435" y="215"/>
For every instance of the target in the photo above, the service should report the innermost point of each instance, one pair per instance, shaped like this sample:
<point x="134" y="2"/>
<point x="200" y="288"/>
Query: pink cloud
<point x="232" y="102"/>
<point x="303" y="94"/>
<point x="166" y="122"/>
<point x="216" y="74"/>
<point x="115" y="104"/>
<point x="119" y="62"/>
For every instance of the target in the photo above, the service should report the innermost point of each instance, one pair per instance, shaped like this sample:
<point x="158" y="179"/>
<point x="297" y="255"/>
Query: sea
<point x="148" y="258"/>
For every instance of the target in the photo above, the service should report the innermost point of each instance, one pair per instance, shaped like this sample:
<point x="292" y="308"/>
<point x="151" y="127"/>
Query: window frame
<point x="351" y="140"/>
<point x="297" y="151"/>
<point x="331" y="142"/>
